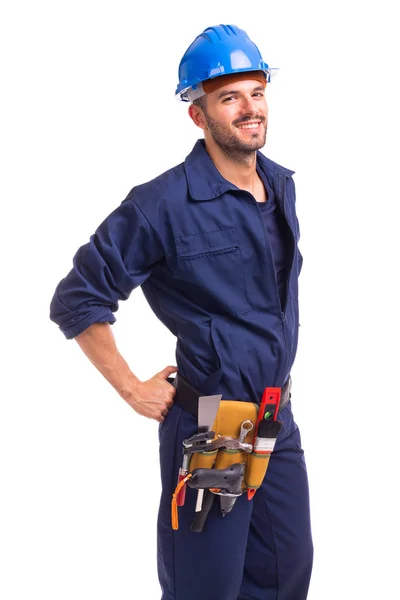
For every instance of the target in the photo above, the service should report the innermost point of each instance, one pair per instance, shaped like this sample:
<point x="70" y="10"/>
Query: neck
<point x="239" y="169"/>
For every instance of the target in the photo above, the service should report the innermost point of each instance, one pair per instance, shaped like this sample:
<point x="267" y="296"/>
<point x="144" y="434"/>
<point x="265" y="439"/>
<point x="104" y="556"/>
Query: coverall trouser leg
<point x="261" y="550"/>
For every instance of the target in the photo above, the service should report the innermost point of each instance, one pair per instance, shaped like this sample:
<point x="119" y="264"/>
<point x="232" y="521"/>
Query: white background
<point x="88" y="111"/>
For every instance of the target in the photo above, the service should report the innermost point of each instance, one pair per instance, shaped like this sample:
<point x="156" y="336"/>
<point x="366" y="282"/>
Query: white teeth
<point x="249" y="126"/>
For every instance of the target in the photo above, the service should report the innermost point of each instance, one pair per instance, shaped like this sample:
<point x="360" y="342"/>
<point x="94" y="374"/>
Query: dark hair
<point x="201" y="102"/>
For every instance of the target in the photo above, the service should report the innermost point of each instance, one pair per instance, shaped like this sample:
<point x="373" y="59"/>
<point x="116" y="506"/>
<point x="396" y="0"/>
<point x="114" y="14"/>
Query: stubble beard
<point x="230" y="143"/>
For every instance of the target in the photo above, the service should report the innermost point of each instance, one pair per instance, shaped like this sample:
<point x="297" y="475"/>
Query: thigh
<point x="199" y="566"/>
<point x="279" y="550"/>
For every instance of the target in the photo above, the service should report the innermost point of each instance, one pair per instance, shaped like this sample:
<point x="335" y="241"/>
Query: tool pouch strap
<point x="230" y="416"/>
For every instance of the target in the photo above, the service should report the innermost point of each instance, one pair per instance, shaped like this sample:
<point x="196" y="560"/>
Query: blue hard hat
<point x="218" y="50"/>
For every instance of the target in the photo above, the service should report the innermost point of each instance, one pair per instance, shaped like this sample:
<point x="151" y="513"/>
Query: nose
<point x="249" y="105"/>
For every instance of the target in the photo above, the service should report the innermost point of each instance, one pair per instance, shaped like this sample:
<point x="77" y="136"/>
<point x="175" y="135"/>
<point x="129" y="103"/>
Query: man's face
<point x="237" y="117"/>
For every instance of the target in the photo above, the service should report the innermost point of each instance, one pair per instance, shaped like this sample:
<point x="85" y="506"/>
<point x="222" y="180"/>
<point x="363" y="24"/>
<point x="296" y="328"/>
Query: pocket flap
<point x="210" y="241"/>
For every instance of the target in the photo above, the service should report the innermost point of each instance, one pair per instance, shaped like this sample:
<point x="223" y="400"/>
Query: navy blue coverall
<point x="200" y="249"/>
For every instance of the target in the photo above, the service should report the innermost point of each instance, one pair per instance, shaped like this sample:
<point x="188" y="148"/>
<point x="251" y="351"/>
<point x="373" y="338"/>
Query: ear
<point x="197" y="116"/>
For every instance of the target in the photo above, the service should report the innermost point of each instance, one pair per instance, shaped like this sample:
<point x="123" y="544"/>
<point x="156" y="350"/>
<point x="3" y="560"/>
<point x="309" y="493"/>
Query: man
<point x="213" y="243"/>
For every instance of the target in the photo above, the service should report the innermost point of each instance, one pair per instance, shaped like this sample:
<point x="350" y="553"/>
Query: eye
<point x="228" y="98"/>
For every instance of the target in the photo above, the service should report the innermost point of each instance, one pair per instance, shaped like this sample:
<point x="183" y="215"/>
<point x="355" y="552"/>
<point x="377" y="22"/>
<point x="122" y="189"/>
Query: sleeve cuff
<point x="101" y="315"/>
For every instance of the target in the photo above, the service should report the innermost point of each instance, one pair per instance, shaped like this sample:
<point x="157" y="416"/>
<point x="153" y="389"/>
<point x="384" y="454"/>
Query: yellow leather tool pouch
<point x="226" y="458"/>
<point x="203" y="460"/>
<point x="256" y="468"/>
<point x="230" y="417"/>
<point x="228" y="421"/>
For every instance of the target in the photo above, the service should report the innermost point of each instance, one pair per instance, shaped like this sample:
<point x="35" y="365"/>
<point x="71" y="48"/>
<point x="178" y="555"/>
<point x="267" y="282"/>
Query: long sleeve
<point x="119" y="257"/>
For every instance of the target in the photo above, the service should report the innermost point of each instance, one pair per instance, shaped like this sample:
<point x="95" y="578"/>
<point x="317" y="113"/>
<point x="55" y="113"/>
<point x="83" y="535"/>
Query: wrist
<point x="128" y="387"/>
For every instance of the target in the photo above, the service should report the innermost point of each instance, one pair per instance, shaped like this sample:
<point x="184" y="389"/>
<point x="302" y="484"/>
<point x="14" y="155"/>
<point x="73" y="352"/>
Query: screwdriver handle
<point x="180" y="498"/>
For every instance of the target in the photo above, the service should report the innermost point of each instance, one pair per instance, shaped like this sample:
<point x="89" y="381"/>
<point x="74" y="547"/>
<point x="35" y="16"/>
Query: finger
<point x="171" y="400"/>
<point x="168" y="371"/>
<point x="171" y="393"/>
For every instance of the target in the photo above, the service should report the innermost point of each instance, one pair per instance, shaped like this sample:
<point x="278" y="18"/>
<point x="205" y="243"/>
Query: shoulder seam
<point x="147" y="220"/>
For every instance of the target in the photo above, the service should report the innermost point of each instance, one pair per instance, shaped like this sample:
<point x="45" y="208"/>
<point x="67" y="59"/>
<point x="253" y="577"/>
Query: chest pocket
<point x="211" y="263"/>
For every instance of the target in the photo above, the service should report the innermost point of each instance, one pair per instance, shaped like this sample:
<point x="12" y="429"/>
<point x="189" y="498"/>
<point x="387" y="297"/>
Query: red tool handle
<point x="270" y="401"/>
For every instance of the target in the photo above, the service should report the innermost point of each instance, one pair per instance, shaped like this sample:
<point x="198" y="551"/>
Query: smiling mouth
<point x="253" y="125"/>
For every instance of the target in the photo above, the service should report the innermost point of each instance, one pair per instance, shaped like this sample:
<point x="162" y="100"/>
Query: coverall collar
<point x="206" y="182"/>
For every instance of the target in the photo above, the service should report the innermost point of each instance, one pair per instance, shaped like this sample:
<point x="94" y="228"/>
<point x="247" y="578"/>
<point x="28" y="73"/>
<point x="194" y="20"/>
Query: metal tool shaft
<point x="229" y="443"/>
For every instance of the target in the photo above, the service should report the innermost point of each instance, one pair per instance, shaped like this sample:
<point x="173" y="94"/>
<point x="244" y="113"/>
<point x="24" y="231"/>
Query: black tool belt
<point x="187" y="396"/>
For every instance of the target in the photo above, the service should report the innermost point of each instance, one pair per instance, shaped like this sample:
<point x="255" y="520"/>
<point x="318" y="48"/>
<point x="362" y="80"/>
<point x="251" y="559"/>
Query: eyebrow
<point x="231" y="92"/>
